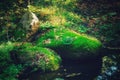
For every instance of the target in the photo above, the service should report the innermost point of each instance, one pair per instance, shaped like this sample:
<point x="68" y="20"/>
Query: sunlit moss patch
<point x="69" y="42"/>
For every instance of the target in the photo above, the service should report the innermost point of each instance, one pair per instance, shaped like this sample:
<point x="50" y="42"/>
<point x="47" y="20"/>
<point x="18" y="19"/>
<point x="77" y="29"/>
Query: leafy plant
<point x="5" y="59"/>
<point x="11" y="72"/>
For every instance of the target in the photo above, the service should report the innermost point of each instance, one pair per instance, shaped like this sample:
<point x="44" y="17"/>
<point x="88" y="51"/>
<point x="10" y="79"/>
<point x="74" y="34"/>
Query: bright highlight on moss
<point x="69" y="42"/>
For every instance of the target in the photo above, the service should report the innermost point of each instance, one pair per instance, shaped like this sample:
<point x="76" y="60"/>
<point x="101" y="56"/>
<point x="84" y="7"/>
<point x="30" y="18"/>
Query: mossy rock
<point x="70" y="44"/>
<point x="37" y="57"/>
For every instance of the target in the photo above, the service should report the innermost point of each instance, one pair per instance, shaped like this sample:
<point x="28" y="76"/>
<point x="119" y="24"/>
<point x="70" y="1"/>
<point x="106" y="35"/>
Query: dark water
<point x="71" y="70"/>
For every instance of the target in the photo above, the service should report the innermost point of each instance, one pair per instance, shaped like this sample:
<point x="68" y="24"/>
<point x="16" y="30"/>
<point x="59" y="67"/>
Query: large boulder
<point x="70" y="44"/>
<point x="36" y="57"/>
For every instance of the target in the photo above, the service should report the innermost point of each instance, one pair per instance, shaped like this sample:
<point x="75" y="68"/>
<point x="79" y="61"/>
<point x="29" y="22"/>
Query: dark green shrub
<point x="11" y="72"/>
<point x="5" y="59"/>
<point x="8" y="70"/>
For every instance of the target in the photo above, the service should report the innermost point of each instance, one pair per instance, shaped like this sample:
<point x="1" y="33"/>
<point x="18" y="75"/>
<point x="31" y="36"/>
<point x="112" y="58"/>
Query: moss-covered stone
<point x="69" y="43"/>
<point x="17" y="57"/>
<point x="38" y="57"/>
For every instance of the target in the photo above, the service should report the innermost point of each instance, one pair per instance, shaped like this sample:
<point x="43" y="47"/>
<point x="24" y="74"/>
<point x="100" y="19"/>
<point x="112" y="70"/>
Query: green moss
<point x="39" y="58"/>
<point x="5" y="59"/>
<point x="58" y="37"/>
<point x="69" y="41"/>
<point x="26" y="55"/>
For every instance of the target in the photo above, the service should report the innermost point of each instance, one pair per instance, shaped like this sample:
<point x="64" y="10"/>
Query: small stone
<point x="64" y="70"/>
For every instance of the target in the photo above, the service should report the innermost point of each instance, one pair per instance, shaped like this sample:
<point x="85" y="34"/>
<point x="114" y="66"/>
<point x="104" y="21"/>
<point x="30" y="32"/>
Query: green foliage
<point x="59" y="13"/>
<point x="38" y="57"/>
<point x="11" y="13"/>
<point x="67" y="4"/>
<point x="109" y="32"/>
<point x="11" y="72"/>
<point x="8" y="71"/>
<point x="46" y="26"/>
<point x="5" y="59"/>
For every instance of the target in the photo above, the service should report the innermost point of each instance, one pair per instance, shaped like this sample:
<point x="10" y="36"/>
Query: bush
<point x="11" y="72"/>
<point x="8" y="70"/>
<point x="5" y="59"/>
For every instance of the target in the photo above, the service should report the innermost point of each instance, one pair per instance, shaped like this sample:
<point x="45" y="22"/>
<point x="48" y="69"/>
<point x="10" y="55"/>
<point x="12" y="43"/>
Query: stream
<point x="71" y="70"/>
